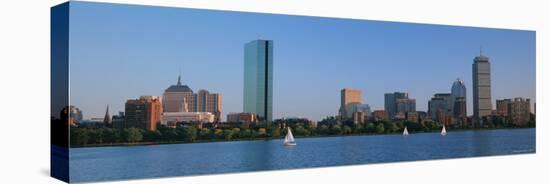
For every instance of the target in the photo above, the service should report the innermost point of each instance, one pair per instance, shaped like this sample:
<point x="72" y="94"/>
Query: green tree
<point x="323" y="130"/>
<point x="190" y="134"/>
<point x="336" y="130"/>
<point x="152" y="136"/>
<point x="275" y="132"/>
<point x="111" y="135"/>
<point x="346" y="129"/>
<point x="79" y="136"/>
<point x="219" y="133"/>
<point x="235" y="132"/>
<point x="371" y="128"/>
<point x="301" y="131"/>
<point x="380" y="128"/>
<point x="261" y="132"/>
<point x="228" y="134"/>
<point x="205" y="133"/>
<point x="247" y="133"/>
<point x="169" y="134"/>
<point x="132" y="135"/>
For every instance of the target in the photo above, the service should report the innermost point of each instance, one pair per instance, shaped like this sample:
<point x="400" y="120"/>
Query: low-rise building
<point x="244" y="117"/>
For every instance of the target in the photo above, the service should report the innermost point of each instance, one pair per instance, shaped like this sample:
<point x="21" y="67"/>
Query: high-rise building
<point x="458" y="90"/>
<point x="440" y="104"/>
<point x="175" y="95"/>
<point x="143" y="113"/>
<point x="405" y="105"/>
<point x="203" y="101"/>
<point x="481" y="86"/>
<point x="398" y="102"/>
<point x="347" y="97"/>
<point x="258" y="79"/>
<point x="519" y="111"/>
<point x="502" y="107"/>
<point x="359" y="117"/>
<point x="209" y="102"/>
<point x="459" y="109"/>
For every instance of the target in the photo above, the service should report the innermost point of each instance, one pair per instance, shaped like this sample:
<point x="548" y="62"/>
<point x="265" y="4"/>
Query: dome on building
<point x="178" y="87"/>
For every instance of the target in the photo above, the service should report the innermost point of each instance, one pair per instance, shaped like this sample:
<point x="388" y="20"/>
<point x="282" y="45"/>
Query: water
<point x="118" y="163"/>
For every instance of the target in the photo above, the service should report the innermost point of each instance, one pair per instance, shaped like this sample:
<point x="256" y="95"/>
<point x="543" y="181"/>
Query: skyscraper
<point x="349" y="96"/>
<point x="398" y="102"/>
<point x="458" y="91"/>
<point x="460" y="107"/>
<point x="258" y="78"/>
<point x="441" y="104"/>
<point x="481" y="77"/>
<point x="209" y="102"/>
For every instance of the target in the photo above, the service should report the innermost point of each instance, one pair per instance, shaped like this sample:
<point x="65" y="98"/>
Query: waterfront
<point x="117" y="163"/>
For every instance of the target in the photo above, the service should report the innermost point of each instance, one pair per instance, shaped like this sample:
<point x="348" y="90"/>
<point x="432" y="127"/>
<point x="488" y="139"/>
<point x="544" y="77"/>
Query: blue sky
<point x="120" y="52"/>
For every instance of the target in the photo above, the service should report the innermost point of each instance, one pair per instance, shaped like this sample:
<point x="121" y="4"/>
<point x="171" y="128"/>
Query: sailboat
<point x="405" y="132"/>
<point x="289" y="139"/>
<point x="443" y="131"/>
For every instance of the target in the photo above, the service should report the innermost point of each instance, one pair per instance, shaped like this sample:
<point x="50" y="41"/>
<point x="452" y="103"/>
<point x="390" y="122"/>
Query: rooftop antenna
<point x="179" y="77"/>
<point x="480" y="50"/>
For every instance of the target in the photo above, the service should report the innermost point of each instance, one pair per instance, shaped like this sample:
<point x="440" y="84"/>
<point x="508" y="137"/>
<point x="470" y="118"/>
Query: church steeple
<point x="107" y="118"/>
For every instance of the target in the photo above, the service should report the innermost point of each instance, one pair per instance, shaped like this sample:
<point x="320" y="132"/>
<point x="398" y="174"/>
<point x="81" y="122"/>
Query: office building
<point x="258" y="79"/>
<point x="379" y="115"/>
<point x="440" y="104"/>
<point x="502" y="107"/>
<point x="349" y="96"/>
<point x="519" y="111"/>
<point x="241" y="117"/>
<point x="359" y="117"/>
<point x="398" y="102"/>
<point x="459" y="108"/>
<point x="458" y="90"/>
<point x="481" y="86"/>
<point x="203" y="101"/>
<point x="143" y="113"/>
<point x="412" y="116"/>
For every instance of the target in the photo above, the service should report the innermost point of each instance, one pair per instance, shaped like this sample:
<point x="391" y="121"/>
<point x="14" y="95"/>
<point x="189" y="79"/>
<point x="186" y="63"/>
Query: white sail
<point x="405" y="132"/>
<point x="443" y="131"/>
<point x="289" y="139"/>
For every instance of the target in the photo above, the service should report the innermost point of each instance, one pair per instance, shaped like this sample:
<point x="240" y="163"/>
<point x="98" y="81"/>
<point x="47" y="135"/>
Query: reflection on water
<point x="115" y="163"/>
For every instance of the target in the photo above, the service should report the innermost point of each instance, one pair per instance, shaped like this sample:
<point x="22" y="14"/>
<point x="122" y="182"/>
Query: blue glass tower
<point x="258" y="78"/>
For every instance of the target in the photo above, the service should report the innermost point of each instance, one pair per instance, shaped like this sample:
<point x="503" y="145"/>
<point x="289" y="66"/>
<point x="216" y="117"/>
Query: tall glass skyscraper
<point x="458" y="92"/>
<point x="458" y="89"/>
<point x="258" y="78"/>
<point x="481" y="77"/>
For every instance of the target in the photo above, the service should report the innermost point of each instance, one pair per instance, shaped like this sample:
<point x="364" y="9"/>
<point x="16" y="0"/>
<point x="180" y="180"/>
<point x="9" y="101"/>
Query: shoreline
<point x="267" y="139"/>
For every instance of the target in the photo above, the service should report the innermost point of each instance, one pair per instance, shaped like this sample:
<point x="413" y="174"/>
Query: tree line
<point x="91" y="136"/>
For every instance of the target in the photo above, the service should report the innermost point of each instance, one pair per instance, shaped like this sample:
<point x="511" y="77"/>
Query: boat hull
<point x="290" y="144"/>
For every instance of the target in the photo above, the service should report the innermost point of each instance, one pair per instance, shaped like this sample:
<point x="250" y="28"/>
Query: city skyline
<point x="372" y="56"/>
